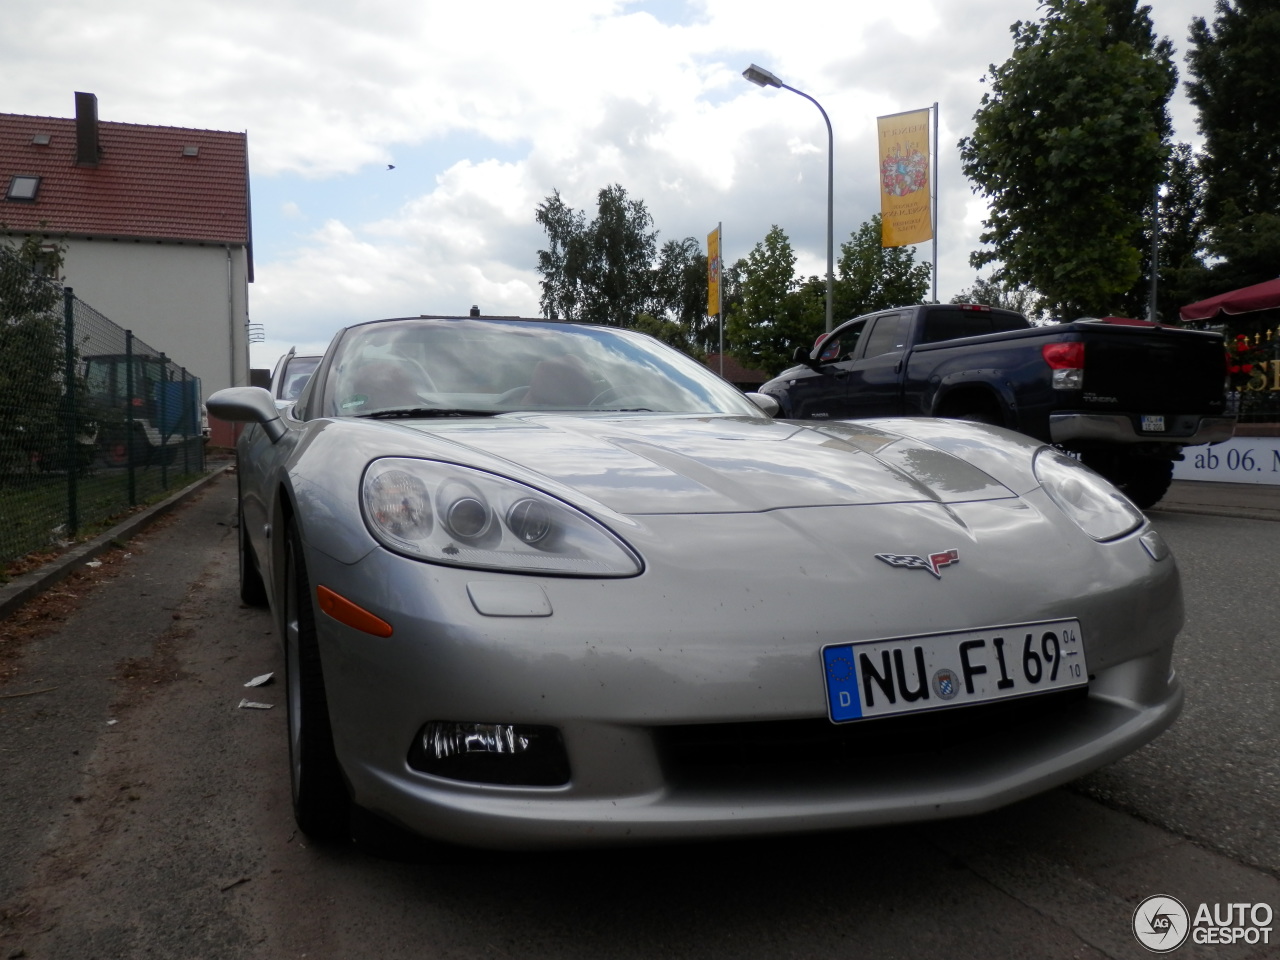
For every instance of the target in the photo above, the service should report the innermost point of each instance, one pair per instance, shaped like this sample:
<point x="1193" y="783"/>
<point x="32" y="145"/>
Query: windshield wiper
<point x="415" y="413"/>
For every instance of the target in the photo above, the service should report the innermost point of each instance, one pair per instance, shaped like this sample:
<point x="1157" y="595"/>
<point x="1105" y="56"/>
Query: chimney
<point x="87" y="148"/>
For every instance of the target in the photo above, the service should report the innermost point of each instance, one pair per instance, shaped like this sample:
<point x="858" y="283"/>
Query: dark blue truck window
<point x="890" y="334"/>
<point x="947" y="323"/>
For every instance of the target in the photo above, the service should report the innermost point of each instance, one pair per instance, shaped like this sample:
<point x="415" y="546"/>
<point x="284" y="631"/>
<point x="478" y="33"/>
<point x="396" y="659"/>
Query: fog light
<point x="516" y="754"/>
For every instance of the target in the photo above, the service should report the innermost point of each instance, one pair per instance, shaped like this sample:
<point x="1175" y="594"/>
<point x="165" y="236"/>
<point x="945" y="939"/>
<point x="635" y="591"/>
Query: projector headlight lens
<point x="445" y="513"/>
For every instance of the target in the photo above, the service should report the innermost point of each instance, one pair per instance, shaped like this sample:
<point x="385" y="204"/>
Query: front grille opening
<point x="698" y="751"/>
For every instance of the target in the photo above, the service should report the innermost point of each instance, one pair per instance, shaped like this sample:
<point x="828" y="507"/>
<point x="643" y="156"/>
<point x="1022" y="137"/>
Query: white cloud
<point x="574" y="97"/>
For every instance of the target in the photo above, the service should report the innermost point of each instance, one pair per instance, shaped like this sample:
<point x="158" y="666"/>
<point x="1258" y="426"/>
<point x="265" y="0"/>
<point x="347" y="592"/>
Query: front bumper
<point x="632" y="671"/>
<point x="1184" y="430"/>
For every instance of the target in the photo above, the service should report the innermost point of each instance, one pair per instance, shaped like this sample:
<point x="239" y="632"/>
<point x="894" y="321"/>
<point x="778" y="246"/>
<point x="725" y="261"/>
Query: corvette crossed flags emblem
<point x="933" y="563"/>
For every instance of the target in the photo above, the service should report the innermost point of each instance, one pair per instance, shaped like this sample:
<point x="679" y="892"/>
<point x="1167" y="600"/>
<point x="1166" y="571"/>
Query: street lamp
<point x="763" y="78"/>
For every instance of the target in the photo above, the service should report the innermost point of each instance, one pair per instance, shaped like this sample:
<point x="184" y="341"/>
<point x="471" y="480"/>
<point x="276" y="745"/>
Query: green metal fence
<point x="93" y="421"/>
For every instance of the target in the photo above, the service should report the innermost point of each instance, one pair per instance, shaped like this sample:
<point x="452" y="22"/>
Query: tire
<point x="976" y="410"/>
<point x="980" y="416"/>
<point x="321" y="802"/>
<point x="378" y="837"/>
<point x="253" y="592"/>
<point x="1144" y="480"/>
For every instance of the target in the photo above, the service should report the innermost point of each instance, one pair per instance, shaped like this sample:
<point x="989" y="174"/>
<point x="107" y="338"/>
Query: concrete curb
<point x="1235" y="513"/>
<point x="22" y="588"/>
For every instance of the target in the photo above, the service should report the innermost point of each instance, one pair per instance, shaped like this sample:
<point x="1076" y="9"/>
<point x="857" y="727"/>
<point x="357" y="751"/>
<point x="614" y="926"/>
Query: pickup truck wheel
<point x="1144" y="480"/>
<point x="321" y="803"/>
<point x="987" y="413"/>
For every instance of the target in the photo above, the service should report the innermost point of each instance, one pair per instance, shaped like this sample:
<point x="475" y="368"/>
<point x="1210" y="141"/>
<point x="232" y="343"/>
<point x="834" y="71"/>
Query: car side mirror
<point x="767" y="404"/>
<point x="805" y="356"/>
<point x="248" y="405"/>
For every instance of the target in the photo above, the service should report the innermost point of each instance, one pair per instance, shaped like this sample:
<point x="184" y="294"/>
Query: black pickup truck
<point x="1126" y="395"/>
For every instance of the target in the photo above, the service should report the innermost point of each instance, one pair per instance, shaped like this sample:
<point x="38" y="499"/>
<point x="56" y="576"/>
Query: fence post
<point x="164" y="422"/>
<point x="197" y="425"/>
<point x="128" y="416"/>
<point x="69" y="398"/>
<point x="186" y="415"/>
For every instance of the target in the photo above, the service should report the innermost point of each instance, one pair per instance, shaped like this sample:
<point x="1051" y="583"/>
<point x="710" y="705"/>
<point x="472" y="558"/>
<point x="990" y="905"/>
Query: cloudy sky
<point x="485" y="108"/>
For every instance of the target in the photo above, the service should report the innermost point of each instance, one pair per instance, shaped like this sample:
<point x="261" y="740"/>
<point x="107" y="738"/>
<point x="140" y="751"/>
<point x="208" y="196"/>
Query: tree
<point x="1182" y="270"/>
<point x="679" y="293"/>
<point x="1023" y="300"/>
<point x="32" y="354"/>
<point x="668" y="331"/>
<point x="623" y="246"/>
<point x="564" y="265"/>
<point x="775" y="311"/>
<point x="1069" y="144"/>
<point x="771" y="311"/>
<point x="598" y="272"/>
<point x="1235" y="87"/>
<point x="873" y="277"/>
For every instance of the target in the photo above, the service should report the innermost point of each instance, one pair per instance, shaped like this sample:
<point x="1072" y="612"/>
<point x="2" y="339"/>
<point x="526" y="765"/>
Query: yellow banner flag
<point x="904" y="178"/>
<point x="713" y="272"/>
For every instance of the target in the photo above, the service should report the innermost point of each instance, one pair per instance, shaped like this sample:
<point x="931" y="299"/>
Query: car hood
<point x="649" y="464"/>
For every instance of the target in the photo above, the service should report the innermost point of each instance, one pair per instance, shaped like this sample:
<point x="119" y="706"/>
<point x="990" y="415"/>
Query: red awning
<point x="1260" y="296"/>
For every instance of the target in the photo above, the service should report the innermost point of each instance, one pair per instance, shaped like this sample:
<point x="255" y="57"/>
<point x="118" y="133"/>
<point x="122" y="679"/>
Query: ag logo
<point x="1161" y="923"/>
<point x="933" y="563"/>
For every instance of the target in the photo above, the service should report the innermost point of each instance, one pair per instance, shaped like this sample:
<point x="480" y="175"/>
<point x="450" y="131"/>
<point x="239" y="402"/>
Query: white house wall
<point x="188" y="300"/>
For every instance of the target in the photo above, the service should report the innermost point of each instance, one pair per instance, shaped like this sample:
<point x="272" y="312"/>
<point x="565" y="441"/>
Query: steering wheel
<point x="604" y="396"/>
<point x="515" y="393"/>
<point x="617" y="398"/>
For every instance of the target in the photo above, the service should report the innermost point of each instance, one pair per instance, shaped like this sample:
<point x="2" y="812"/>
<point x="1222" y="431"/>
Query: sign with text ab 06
<point x="1238" y="460"/>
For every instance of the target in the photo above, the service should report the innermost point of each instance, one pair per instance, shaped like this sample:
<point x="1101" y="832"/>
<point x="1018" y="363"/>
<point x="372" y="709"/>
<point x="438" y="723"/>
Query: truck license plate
<point x="1153" y="423"/>
<point x="879" y="678"/>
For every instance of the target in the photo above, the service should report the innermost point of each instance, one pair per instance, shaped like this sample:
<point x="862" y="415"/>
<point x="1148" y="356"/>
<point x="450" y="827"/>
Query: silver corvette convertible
<point x="545" y="584"/>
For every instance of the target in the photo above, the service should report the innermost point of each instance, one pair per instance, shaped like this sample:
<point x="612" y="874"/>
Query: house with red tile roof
<point x="733" y="370"/>
<point x="155" y="222"/>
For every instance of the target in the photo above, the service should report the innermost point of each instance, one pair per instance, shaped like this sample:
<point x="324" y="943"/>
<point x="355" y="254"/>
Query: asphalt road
<point x="167" y="833"/>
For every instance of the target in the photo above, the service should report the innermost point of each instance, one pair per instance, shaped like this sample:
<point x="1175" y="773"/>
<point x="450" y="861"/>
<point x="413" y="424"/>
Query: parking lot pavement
<point x="152" y="818"/>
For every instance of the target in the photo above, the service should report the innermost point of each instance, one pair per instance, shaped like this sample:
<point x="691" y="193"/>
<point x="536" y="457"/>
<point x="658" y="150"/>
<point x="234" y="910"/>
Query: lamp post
<point x="762" y="77"/>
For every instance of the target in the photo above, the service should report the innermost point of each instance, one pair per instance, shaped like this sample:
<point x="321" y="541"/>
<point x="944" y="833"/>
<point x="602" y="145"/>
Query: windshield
<point x="295" y="375"/>
<point x="482" y="367"/>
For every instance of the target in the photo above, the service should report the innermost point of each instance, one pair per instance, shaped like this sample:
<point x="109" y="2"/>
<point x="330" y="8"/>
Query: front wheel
<point x="253" y="592"/>
<point x="321" y="803"/>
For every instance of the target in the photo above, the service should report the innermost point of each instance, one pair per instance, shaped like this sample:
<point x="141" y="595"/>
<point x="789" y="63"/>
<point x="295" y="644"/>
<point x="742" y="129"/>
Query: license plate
<point x="1153" y="423"/>
<point x="880" y="678"/>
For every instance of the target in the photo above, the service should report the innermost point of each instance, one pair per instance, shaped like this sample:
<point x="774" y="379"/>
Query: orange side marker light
<point x="344" y="611"/>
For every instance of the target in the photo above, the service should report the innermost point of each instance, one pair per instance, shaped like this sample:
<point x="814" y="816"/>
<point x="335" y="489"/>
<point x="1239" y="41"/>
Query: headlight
<point x="444" y="513"/>
<point x="1098" y="508"/>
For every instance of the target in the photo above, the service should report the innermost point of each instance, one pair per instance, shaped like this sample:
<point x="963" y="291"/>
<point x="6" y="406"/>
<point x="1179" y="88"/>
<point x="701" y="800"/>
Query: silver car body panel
<point x="701" y="636"/>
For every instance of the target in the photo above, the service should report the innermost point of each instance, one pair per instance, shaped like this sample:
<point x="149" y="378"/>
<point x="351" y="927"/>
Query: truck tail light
<point x="1066" y="360"/>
